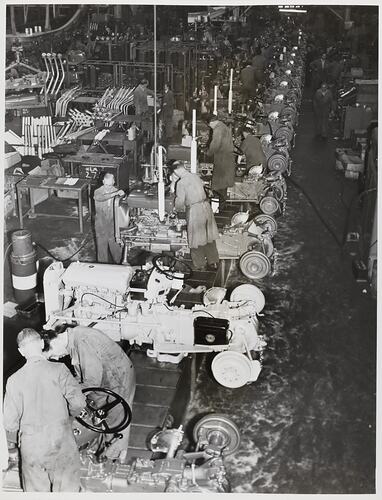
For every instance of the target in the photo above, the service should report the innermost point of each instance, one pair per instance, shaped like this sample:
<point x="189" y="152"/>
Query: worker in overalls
<point x="323" y="105"/>
<point x="38" y="400"/>
<point x="167" y="114"/>
<point x="202" y="231"/>
<point x="104" y="220"/>
<point x="251" y="147"/>
<point x="98" y="362"/>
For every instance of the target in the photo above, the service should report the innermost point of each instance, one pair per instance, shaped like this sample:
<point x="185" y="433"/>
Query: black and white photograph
<point x="190" y="248"/>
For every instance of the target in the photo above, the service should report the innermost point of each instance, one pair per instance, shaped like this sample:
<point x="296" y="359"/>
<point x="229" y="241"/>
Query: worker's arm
<point x="180" y="199"/>
<point x="11" y="412"/>
<point x="71" y="391"/>
<point x="101" y="196"/>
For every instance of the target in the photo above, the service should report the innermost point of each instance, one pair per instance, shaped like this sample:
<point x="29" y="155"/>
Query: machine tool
<point x="132" y="304"/>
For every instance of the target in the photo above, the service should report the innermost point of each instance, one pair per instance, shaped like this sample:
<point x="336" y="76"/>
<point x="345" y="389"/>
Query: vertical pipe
<point x="193" y="144"/>
<point x="155" y="85"/>
<point x="13" y="22"/>
<point x="161" y="194"/>
<point x="215" y="100"/>
<point x="230" y="93"/>
<point x="47" y="17"/>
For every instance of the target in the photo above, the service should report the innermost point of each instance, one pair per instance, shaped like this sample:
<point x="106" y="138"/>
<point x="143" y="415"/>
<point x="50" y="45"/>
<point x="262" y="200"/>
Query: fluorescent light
<point x="296" y="11"/>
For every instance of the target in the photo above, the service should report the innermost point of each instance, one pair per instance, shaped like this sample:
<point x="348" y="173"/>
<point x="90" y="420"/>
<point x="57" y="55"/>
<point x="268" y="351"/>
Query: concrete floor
<point x="308" y="423"/>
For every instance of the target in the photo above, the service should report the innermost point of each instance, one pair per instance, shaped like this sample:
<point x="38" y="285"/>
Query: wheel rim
<point x="231" y="369"/>
<point x="222" y="424"/>
<point x="255" y="265"/>
<point x="285" y="132"/>
<point x="250" y="292"/>
<point x="267" y="222"/>
<point x="277" y="162"/>
<point x="269" y="205"/>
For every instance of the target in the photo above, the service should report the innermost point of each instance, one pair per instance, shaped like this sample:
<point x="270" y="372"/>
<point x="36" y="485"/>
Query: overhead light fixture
<point x="296" y="9"/>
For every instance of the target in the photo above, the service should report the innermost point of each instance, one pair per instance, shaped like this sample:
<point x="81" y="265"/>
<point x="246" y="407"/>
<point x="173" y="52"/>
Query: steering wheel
<point x="98" y="416"/>
<point x="162" y="261"/>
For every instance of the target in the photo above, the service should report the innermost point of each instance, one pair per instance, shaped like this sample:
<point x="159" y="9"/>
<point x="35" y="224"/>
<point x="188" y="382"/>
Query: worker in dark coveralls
<point x="98" y="362"/>
<point x="323" y="105"/>
<point x="247" y="77"/>
<point x="167" y="113"/>
<point x="38" y="400"/>
<point x="140" y="97"/>
<point x="202" y="231"/>
<point x="258" y="64"/>
<point x="221" y="148"/>
<point x="320" y="71"/>
<point x="251" y="147"/>
<point x="104" y="220"/>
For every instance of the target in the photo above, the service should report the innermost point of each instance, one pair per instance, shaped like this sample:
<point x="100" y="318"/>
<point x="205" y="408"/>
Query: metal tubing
<point x="54" y="91"/>
<point x="63" y="72"/>
<point x="52" y="70"/>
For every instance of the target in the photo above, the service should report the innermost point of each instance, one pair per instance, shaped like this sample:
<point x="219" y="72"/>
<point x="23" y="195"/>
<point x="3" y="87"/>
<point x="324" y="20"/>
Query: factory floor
<point x="308" y="423"/>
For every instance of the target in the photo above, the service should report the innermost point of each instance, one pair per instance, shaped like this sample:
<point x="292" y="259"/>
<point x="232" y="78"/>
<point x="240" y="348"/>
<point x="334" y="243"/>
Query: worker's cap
<point x="172" y="165"/>
<point x="26" y="336"/>
<point x="210" y="117"/>
<point x="247" y="129"/>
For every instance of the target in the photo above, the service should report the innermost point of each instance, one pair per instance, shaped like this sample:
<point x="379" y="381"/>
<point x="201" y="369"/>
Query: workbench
<point x="74" y="190"/>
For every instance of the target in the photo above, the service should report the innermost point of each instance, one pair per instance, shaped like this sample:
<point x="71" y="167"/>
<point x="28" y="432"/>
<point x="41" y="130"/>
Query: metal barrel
<point x="23" y="267"/>
<point x="22" y="242"/>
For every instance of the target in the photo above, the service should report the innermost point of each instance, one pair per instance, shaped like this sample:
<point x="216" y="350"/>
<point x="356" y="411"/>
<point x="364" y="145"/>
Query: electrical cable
<point x="84" y="243"/>
<point x="206" y="312"/>
<point x="98" y="297"/>
<point x="6" y="251"/>
<point x="312" y="204"/>
<point x="374" y="242"/>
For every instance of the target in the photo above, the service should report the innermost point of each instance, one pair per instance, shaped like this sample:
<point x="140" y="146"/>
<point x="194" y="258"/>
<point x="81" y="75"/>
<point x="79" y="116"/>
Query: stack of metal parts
<point x="114" y="101"/>
<point x="78" y="123"/>
<point x="38" y="135"/>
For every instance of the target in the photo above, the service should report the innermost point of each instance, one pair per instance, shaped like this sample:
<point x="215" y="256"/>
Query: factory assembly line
<point x="93" y="127"/>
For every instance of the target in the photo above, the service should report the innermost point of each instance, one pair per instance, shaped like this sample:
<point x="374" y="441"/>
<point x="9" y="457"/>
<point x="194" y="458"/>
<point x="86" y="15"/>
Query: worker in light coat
<point x="202" y="231"/>
<point x="323" y="105"/>
<point x="221" y="148"/>
<point x="104" y="220"/>
<point x="167" y="113"/>
<point x="38" y="400"/>
<point x="98" y="362"/>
